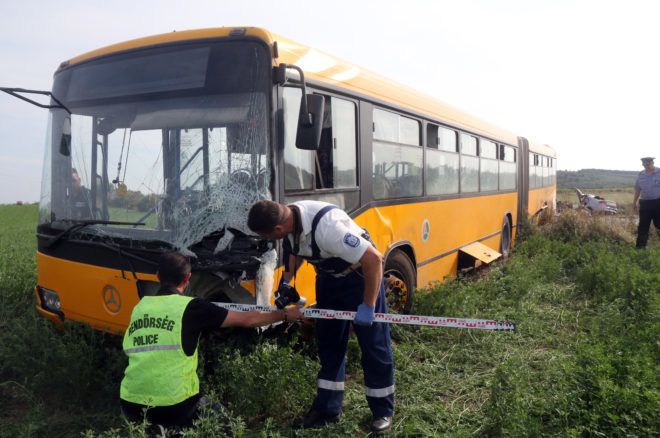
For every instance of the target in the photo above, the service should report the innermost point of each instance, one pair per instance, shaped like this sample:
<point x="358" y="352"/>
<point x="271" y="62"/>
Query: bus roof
<point x="542" y="149"/>
<point x="328" y="69"/>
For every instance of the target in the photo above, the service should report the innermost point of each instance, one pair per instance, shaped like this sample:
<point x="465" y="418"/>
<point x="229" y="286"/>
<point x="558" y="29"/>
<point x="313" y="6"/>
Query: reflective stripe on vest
<point x="159" y="372"/>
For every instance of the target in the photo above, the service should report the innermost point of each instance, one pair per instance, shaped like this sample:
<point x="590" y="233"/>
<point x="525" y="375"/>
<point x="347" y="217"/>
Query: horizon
<point x="558" y="170"/>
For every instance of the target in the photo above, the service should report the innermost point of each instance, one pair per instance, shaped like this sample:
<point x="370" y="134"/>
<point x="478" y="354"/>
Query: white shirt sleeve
<point x="339" y="237"/>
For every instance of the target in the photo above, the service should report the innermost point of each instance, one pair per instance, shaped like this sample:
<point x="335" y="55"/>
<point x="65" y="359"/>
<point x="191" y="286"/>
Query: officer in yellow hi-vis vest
<point x="161" y="345"/>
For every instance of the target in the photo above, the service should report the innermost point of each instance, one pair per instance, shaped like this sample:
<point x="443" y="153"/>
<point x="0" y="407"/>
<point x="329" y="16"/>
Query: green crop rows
<point x="584" y="361"/>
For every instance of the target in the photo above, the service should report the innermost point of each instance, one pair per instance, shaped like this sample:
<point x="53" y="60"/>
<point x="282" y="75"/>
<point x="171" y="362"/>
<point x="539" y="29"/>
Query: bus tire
<point x="400" y="278"/>
<point x="505" y="238"/>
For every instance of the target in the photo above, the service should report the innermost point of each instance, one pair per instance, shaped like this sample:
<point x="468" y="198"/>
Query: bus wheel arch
<point x="506" y="236"/>
<point x="400" y="278"/>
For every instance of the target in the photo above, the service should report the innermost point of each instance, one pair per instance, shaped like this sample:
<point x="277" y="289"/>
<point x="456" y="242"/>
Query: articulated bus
<point x="164" y="142"/>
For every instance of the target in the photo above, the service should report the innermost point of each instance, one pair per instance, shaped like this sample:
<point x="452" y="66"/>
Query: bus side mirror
<point x="310" y="122"/>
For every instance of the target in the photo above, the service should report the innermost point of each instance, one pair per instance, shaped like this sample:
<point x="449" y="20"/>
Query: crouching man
<point x="161" y="344"/>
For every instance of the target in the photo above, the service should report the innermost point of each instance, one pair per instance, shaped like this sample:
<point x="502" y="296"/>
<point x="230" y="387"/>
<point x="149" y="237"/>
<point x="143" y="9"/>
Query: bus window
<point x="532" y="170"/>
<point x="552" y="171"/>
<point x="408" y="131"/>
<point x="488" y="171"/>
<point x="397" y="164"/>
<point x="447" y="140"/>
<point x="337" y="154"/>
<point x="469" y="164"/>
<point x="441" y="166"/>
<point x="298" y="163"/>
<point x="508" y="168"/>
<point x="386" y="126"/>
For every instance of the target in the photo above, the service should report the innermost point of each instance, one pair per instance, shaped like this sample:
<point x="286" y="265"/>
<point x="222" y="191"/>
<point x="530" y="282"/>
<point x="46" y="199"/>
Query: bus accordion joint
<point x="392" y="318"/>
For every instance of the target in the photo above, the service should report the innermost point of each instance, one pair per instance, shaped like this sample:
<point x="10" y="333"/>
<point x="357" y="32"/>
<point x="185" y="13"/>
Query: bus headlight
<point x="50" y="300"/>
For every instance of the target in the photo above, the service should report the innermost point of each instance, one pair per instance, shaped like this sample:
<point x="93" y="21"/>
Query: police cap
<point x="647" y="159"/>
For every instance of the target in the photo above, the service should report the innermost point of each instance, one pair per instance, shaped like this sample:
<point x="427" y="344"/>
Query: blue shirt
<point x="648" y="185"/>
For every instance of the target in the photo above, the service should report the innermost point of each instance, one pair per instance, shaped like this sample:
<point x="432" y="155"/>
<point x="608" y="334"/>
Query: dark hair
<point x="173" y="268"/>
<point x="264" y="215"/>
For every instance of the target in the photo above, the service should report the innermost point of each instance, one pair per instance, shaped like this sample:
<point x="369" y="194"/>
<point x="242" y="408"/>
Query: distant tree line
<point x="132" y="200"/>
<point x="596" y="179"/>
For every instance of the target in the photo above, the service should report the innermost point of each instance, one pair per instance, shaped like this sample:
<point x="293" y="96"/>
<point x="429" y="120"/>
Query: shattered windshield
<point x="174" y="137"/>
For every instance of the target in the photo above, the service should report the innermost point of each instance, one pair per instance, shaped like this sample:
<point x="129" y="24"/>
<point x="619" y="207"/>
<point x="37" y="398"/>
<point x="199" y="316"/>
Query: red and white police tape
<point x="392" y="318"/>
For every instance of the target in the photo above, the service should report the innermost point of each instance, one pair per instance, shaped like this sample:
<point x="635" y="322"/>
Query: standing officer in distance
<point x="349" y="276"/>
<point x="161" y="345"/>
<point x="647" y="190"/>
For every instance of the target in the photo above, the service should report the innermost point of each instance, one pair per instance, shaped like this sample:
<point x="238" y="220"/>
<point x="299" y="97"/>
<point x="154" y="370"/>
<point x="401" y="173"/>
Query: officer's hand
<point x="365" y="315"/>
<point x="635" y="208"/>
<point x="294" y="313"/>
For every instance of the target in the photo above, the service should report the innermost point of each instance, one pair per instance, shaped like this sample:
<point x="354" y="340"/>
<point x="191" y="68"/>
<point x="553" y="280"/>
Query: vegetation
<point x="584" y="361"/>
<point x="596" y="178"/>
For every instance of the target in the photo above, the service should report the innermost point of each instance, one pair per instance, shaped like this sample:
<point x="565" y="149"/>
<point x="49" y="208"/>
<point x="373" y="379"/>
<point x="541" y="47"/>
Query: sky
<point x="582" y="76"/>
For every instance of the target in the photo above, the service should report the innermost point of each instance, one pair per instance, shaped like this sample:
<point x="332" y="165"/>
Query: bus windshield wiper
<point x="82" y="224"/>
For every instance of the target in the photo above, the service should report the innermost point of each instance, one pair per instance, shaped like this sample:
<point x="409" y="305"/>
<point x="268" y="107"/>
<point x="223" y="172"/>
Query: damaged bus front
<point x="156" y="148"/>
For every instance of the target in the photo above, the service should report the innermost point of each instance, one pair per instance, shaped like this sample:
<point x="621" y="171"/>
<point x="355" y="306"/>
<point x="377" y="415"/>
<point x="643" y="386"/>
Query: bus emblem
<point x="111" y="299"/>
<point x="426" y="230"/>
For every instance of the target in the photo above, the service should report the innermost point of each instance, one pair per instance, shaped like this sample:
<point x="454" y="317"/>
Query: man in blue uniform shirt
<point x="647" y="191"/>
<point x="349" y="276"/>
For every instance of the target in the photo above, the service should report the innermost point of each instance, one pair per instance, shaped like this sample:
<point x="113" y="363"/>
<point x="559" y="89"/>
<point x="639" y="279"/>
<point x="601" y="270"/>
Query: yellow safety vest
<point x="159" y="372"/>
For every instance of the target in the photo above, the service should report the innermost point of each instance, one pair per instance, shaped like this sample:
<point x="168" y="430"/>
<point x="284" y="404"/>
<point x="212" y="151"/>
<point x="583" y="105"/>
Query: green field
<point x="584" y="361"/>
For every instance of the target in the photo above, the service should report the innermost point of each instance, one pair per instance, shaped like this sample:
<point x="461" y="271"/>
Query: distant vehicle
<point x="596" y="204"/>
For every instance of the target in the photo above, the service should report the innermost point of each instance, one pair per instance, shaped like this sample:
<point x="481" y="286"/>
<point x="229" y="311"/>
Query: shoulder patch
<point x="351" y="240"/>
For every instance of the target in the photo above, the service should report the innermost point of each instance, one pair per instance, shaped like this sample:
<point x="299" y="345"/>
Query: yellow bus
<point x="164" y="142"/>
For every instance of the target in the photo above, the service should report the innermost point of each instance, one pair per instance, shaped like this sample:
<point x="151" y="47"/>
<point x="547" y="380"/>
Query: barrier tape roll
<point x="392" y="318"/>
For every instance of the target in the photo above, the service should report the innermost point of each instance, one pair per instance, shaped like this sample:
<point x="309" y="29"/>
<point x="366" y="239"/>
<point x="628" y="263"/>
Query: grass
<point x="584" y="361"/>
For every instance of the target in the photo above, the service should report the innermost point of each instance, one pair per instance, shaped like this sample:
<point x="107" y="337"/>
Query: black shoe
<point x="315" y="419"/>
<point x="380" y="425"/>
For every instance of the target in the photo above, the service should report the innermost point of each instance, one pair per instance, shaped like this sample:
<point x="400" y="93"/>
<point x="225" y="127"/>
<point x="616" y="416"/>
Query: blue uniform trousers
<point x="346" y="293"/>
<point x="649" y="211"/>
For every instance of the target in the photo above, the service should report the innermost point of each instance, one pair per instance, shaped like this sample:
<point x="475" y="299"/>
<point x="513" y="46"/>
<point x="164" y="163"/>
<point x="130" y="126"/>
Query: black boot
<point x="315" y="419"/>
<point x="380" y="425"/>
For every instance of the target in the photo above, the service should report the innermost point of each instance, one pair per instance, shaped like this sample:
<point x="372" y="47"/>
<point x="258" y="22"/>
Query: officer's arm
<point x="372" y="268"/>
<point x="258" y="319"/>
<point x="294" y="265"/>
<point x="637" y="193"/>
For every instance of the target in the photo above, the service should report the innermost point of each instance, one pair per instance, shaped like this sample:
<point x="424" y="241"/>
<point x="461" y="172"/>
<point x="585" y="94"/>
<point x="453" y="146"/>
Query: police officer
<point x="349" y="276"/>
<point x="161" y="344"/>
<point x="647" y="191"/>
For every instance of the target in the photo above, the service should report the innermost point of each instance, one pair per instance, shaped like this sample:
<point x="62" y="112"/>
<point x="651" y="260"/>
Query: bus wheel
<point x="505" y="238"/>
<point x="399" y="279"/>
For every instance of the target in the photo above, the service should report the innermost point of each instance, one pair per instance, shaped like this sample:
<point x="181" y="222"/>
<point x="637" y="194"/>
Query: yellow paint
<point x="80" y="287"/>
<point x="481" y="252"/>
<point x="541" y="198"/>
<point x="438" y="270"/>
<point x="453" y="223"/>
